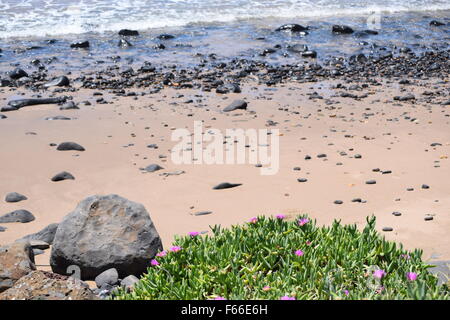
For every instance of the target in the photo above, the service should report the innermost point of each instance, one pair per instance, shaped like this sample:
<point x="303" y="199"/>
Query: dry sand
<point x="385" y="140"/>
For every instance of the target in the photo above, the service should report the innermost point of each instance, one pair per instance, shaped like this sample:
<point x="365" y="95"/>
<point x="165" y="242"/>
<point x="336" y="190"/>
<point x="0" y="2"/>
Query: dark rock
<point x="66" y="146"/>
<point x="235" y="105"/>
<point x="309" y="54"/>
<point x="127" y="32"/>
<point x="371" y="182"/>
<point x="15" y="197"/>
<point x="436" y="23"/>
<point x="338" y="202"/>
<point x="341" y="29"/>
<point x="16" y="261"/>
<point x="124" y="44"/>
<point x="202" y="213"/>
<point x="302" y="180"/>
<point x="17" y="74"/>
<point x="2" y="229"/>
<point x="226" y="185"/>
<point x="63" y="176"/>
<point x="110" y="276"/>
<point x="69" y="105"/>
<point x="47" y="234"/>
<point x="2" y="116"/>
<point x="396" y="213"/>
<point x="83" y="44"/>
<point x="428" y="218"/>
<point x="165" y="37"/>
<point x="105" y="232"/>
<point x="298" y="48"/>
<point x="387" y="229"/>
<point x="20" y="103"/>
<point x="292" y="27"/>
<point x="424" y="186"/>
<point x="58" y="118"/>
<point x="62" y="81"/>
<point x="153" y="168"/>
<point x="22" y="216"/>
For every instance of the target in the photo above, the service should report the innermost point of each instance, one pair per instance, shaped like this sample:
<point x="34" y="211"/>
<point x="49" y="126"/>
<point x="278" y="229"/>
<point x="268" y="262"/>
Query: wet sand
<point x="116" y="136"/>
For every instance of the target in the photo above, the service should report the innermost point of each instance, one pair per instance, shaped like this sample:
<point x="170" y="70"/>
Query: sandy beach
<point x="392" y="136"/>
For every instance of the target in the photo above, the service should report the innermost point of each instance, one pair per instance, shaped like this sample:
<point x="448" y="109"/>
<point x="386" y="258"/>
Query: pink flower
<point x="266" y="288"/>
<point x="346" y="292"/>
<point x="194" y="233"/>
<point x="154" y="262"/>
<point x="280" y="216"/>
<point x="379" y="274"/>
<point x="299" y="253"/>
<point x="308" y="243"/>
<point x="253" y="220"/>
<point x="161" y="254"/>
<point x="411" y="276"/>
<point x="303" y="221"/>
<point x="287" y="298"/>
<point x="219" y="298"/>
<point x="175" y="249"/>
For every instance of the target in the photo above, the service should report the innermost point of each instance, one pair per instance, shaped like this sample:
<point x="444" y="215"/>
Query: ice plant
<point x="266" y="288"/>
<point x="299" y="253"/>
<point x="287" y="298"/>
<point x="346" y="292"/>
<point x="161" y="254"/>
<point x="379" y="274"/>
<point x="303" y="221"/>
<point x="411" y="276"/>
<point x="253" y="220"/>
<point x="154" y="262"/>
<point x="194" y="233"/>
<point x="280" y="216"/>
<point x="175" y="249"/>
<point x="219" y="298"/>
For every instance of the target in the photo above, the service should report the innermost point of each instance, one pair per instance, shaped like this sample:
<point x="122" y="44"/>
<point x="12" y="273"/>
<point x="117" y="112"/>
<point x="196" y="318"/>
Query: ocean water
<point x="21" y="18"/>
<point x="229" y="29"/>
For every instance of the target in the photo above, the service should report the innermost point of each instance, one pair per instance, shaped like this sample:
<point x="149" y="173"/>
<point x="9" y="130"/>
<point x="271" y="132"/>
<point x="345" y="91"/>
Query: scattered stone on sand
<point x="17" y="74"/>
<point x="105" y="232"/>
<point x="15" y="197"/>
<point x="42" y="285"/>
<point x="58" y="118"/>
<point x="428" y="218"/>
<point x="302" y="180"/>
<point x="63" y="176"/>
<point x="371" y="182"/>
<point x="153" y="168"/>
<point x="396" y="213"/>
<point x="110" y="276"/>
<point x="68" y="146"/>
<point x="2" y="116"/>
<point x="292" y="27"/>
<point x="202" y="213"/>
<point x="425" y="186"/>
<point x="20" y="103"/>
<point x="235" y="105"/>
<point x="2" y="229"/>
<point x="338" y="202"/>
<point x="226" y="185"/>
<point x="62" y="81"/>
<point x="387" y="229"/>
<point x="69" y="105"/>
<point x="47" y="234"/>
<point x="16" y="261"/>
<point x="22" y="216"/>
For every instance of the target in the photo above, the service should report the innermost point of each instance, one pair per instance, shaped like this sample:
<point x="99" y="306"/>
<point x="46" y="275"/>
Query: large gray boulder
<point x="105" y="232"/>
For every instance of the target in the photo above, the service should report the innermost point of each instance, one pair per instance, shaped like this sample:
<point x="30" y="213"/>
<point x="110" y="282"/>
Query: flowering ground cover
<point x="273" y="258"/>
